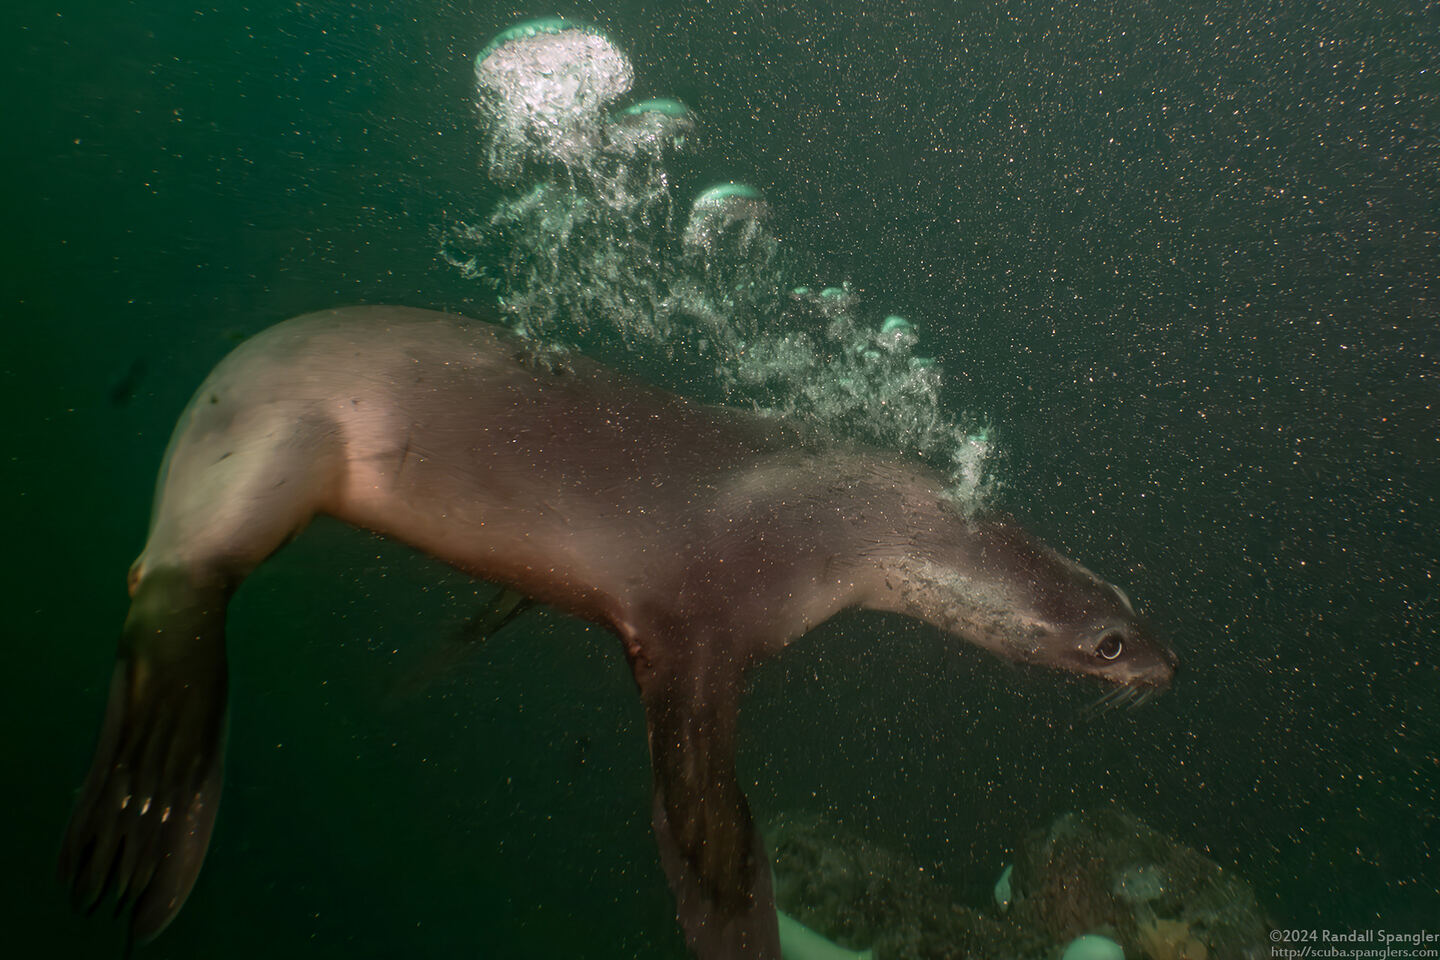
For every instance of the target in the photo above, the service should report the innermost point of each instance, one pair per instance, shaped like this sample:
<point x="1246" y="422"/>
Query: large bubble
<point x="543" y="86"/>
<point x="587" y="250"/>
<point x="728" y="213"/>
<point x="651" y="128"/>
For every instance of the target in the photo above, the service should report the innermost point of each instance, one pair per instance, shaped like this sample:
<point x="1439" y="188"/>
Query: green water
<point x="1184" y="257"/>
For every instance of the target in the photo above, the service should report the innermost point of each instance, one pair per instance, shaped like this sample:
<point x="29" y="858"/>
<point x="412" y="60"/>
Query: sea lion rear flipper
<point x="711" y="851"/>
<point x="143" y="820"/>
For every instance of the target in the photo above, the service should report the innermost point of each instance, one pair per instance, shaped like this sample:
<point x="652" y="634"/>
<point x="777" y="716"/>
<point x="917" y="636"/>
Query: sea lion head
<point x="995" y="585"/>
<point x="1084" y="624"/>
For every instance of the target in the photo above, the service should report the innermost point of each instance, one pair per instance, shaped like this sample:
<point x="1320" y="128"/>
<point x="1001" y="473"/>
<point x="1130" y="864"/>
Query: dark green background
<point x="1184" y="255"/>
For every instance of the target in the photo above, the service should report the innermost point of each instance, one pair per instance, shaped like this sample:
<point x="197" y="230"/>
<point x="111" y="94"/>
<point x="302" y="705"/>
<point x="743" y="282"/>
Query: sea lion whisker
<point x="1103" y="702"/>
<point x="1124" y="695"/>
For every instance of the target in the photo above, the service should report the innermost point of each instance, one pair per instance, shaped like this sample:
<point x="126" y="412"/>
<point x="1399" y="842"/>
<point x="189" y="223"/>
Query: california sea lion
<point x="706" y="538"/>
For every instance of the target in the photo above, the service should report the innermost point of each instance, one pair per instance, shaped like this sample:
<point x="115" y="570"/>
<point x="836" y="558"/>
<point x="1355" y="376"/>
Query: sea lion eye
<point x="1111" y="646"/>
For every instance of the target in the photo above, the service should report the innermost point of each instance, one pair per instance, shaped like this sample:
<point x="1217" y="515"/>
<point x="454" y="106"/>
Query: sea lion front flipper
<point x="711" y="851"/>
<point x="142" y="824"/>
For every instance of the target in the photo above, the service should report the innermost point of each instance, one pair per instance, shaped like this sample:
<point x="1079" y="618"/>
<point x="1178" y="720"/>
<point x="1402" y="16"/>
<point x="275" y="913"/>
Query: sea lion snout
<point x="1159" y="670"/>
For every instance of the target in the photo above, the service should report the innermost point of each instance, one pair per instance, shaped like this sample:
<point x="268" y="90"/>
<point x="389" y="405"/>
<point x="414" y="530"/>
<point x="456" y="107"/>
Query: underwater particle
<point x="650" y="127"/>
<point x="542" y="86"/>
<point x="1093" y="947"/>
<point x="1003" y="892"/>
<point x="733" y="210"/>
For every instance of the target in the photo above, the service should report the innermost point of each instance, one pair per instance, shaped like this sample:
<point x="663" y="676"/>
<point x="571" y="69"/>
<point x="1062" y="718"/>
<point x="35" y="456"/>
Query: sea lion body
<point x="594" y="492"/>
<point x="706" y="538"/>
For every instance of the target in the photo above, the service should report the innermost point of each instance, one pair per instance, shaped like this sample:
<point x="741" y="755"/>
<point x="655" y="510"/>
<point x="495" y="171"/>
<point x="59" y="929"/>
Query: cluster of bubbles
<point x="586" y="246"/>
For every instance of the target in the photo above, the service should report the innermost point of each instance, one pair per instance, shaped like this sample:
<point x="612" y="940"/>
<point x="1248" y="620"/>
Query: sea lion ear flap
<point x="711" y="851"/>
